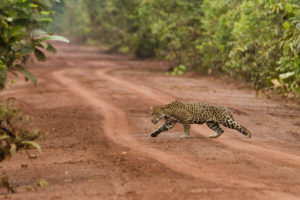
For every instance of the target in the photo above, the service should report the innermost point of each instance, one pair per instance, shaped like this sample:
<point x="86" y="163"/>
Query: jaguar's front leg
<point x="186" y="130"/>
<point x="167" y="126"/>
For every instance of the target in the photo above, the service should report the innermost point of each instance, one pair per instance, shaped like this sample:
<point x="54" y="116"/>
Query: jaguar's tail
<point x="242" y="130"/>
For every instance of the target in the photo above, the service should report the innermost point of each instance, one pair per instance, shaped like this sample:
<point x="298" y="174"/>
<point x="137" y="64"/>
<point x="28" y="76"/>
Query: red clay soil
<point x="94" y="111"/>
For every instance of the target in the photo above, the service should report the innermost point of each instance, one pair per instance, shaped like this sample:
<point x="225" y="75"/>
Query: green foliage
<point x="14" y="134"/>
<point x="21" y="35"/>
<point x="42" y="183"/>
<point x="112" y="21"/>
<point x="178" y="70"/>
<point x="257" y="40"/>
<point x="249" y="38"/>
<point x="288" y="69"/>
<point x="168" y="30"/>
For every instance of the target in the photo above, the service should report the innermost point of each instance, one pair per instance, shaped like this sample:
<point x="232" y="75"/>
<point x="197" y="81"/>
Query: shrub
<point x="14" y="132"/>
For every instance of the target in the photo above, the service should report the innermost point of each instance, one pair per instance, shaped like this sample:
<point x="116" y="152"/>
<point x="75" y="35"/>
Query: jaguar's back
<point x="207" y="112"/>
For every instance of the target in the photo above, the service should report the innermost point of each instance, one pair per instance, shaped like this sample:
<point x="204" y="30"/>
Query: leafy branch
<point x="21" y="35"/>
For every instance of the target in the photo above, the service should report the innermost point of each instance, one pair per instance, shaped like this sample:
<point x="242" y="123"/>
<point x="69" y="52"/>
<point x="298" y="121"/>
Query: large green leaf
<point x="46" y="19"/>
<point x="286" y="75"/>
<point x="4" y="137"/>
<point x="33" y="5"/>
<point x="43" y="44"/>
<point x="33" y="144"/>
<point x="28" y="75"/>
<point x="39" y="55"/>
<point x="46" y="13"/>
<point x="55" y="38"/>
<point x="25" y="50"/>
<point x="51" y="49"/>
<point x="38" y="32"/>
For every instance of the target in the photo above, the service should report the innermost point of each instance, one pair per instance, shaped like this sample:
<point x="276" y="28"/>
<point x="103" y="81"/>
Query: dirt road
<point x="94" y="111"/>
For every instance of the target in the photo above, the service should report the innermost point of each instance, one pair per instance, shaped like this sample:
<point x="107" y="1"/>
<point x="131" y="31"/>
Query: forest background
<point x="256" y="40"/>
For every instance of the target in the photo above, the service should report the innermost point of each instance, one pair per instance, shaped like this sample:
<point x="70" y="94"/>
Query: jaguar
<point x="195" y="113"/>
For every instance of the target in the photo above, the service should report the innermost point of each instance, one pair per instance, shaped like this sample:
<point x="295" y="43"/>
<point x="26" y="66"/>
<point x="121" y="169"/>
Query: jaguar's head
<point x="157" y="114"/>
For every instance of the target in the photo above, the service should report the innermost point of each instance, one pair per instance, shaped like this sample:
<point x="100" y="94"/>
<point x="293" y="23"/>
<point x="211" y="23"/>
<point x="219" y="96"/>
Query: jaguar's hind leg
<point x="186" y="130"/>
<point x="215" y="127"/>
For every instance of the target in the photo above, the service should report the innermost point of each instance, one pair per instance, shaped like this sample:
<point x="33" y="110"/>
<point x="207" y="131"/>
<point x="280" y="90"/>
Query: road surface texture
<point x="94" y="111"/>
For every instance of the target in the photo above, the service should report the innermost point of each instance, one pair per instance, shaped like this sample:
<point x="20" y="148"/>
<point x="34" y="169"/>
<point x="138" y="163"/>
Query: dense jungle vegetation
<point x="258" y="40"/>
<point x="21" y="35"/>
